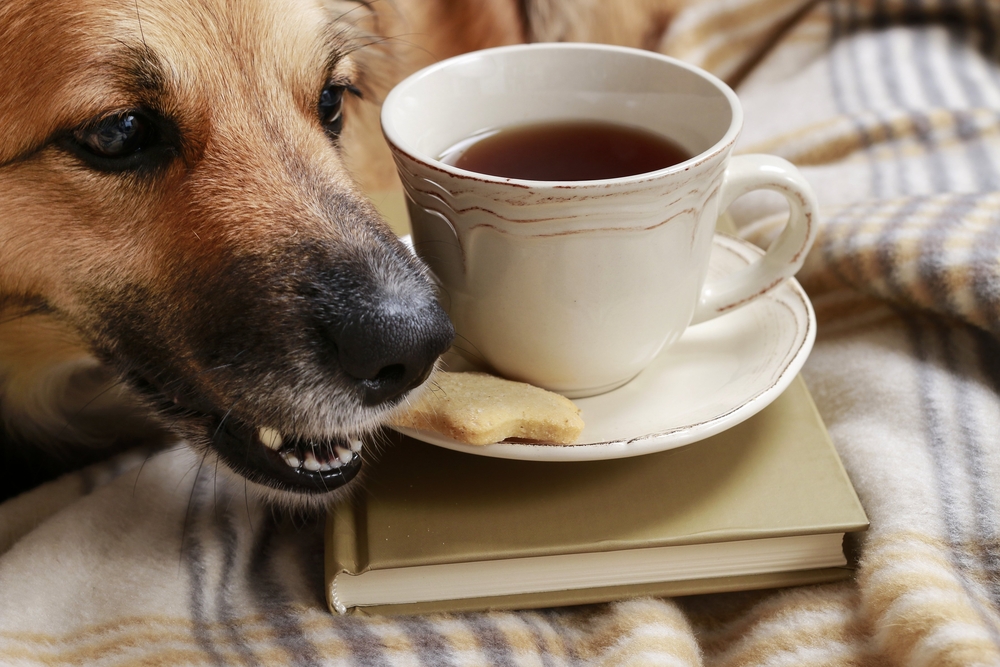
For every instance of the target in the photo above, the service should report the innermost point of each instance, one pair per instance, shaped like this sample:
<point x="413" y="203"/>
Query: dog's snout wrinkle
<point x="394" y="348"/>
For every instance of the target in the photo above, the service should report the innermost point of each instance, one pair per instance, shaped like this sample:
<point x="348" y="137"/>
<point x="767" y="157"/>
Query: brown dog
<point x="176" y="206"/>
<point x="182" y="245"/>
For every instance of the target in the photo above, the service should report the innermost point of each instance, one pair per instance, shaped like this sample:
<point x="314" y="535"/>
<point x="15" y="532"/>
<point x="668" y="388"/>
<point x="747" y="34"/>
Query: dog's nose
<point x="393" y="348"/>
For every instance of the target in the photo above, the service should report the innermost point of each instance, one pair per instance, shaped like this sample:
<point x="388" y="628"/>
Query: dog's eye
<point x="126" y="141"/>
<point x="116" y="136"/>
<point x="331" y="108"/>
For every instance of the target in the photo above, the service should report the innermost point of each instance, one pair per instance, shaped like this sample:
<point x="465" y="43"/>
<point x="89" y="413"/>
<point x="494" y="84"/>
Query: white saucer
<point x="718" y="374"/>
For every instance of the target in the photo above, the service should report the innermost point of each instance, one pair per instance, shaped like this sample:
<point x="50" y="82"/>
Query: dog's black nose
<point x="393" y="347"/>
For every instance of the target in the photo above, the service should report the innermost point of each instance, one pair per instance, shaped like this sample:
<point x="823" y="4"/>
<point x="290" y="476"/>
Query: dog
<point x="184" y="252"/>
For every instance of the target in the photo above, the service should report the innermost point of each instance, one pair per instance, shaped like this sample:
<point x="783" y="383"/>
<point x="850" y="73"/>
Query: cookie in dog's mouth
<point x="287" y="462"/>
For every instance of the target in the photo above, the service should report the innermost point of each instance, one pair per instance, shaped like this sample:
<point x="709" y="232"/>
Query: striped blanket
<point x="892" y="109"/>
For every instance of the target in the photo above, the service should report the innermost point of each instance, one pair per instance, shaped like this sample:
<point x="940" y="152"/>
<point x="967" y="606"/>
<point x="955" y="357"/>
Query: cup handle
<point x="786" y="254"/>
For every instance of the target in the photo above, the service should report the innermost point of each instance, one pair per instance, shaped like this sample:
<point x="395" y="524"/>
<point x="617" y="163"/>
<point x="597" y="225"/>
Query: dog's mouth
<point x="286" y="462"/>
<point x="262" y="454"/>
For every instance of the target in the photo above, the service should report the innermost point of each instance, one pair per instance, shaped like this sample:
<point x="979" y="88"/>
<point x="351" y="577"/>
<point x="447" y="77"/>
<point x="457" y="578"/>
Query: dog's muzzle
<point x="282" y="364"/>
<point x="383" y="353"/>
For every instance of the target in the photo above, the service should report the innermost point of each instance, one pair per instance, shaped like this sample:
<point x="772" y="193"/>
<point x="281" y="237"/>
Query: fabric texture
<point x="892" y="110"/>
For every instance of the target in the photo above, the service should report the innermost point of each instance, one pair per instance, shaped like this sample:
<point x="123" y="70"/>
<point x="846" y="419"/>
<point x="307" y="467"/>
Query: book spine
<point x="345" y="553"/>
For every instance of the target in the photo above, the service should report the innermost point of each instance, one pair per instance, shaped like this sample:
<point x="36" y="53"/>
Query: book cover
<point x="767" y="482"/>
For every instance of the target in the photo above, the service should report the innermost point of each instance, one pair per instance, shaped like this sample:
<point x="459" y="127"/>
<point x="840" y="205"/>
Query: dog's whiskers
<point x="37" y="310"/>
<point x="382" y="40"/>
<point x="474" y="353"/>
<point x="222" y="421"/>
<point x="360" y="4"/>
<point x="246" y="503"/>
<point x="187" y="512"/>
<point x="138" y="18"/>
<point x="68" y="421"/>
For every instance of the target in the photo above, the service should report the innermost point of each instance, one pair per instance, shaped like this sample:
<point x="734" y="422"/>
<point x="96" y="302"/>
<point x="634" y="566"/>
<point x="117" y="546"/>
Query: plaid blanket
<point x="892" y="109"/>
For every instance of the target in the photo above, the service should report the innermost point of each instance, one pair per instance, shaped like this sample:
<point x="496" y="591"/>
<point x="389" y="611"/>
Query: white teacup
<point x="577" y="286"/>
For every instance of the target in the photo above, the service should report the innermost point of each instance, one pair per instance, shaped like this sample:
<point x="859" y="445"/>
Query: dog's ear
<point x="636" y="23"/>
<point x="436" y="29"/>
<point x="460" y="26"/>
<point x="390" y="40"/>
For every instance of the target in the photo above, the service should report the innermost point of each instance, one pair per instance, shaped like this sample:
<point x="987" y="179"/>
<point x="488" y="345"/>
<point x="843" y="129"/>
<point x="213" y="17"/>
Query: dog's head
<point x="173" y="186"/>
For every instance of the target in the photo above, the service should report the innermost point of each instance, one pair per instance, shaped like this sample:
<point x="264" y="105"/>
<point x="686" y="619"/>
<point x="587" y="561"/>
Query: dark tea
<point x="565" y="151"/>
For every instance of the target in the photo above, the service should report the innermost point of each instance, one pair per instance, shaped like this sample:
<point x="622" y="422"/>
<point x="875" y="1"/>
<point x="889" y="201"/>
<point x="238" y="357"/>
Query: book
<point x="764" y="504"/>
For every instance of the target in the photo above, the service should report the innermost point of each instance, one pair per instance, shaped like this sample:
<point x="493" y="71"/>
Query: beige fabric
<point x="893" y="110"/>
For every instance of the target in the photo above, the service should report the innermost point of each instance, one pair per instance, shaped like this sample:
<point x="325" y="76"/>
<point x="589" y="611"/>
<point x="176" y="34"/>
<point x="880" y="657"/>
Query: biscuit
<point x="479" y="409"/>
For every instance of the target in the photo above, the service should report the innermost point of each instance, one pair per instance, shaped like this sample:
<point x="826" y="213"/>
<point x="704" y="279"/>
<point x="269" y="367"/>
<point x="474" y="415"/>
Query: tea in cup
<point x="565" y="197"/>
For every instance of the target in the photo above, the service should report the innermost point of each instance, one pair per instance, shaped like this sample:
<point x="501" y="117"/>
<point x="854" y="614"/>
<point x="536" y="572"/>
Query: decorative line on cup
<point x="642" y="219"/>
<point x="591" y="230"/>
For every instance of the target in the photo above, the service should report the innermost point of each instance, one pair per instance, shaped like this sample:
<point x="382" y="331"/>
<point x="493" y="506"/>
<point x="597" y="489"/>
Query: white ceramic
<point x="578" y="286"/>
<point x="717" y="375"/>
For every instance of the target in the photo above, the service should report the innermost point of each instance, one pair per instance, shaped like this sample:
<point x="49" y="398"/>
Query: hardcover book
<point x="764" y="504"/>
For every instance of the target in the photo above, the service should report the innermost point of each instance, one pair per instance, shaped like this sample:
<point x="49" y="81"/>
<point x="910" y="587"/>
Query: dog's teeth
<point x="345" y="455"/>
<point x="356" y="445"/>
<point x="311" y="463"/>
<point x="290" y="459"/>
<point x="325" y="465"/>
<point x="270" y="437"/>
<point x="335" y="463"/>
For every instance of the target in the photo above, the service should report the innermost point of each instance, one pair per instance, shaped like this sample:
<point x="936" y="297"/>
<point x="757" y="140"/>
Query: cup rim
<point x="396" y="142"/>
